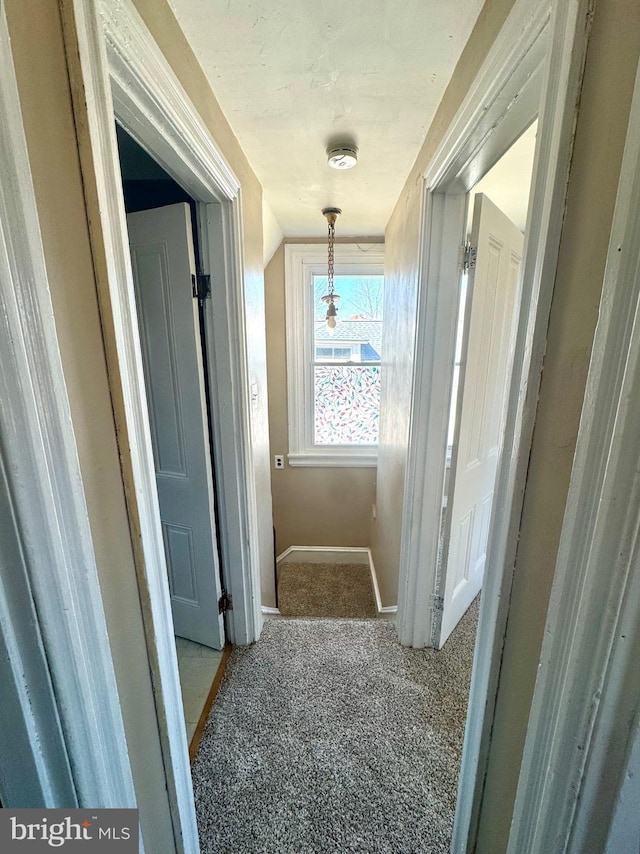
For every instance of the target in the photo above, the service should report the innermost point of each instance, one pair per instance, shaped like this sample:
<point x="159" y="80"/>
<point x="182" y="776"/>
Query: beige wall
<point x="612" y="57"/>
<point x="271" y="233"/>
<point x="164" y="28"/>
<point x="401" y="278"/>
<point x="312" y="506"/>
<point x="610" y="69"/>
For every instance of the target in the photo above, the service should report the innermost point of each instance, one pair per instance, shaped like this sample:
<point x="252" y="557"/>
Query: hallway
<point x="327" y="735"/>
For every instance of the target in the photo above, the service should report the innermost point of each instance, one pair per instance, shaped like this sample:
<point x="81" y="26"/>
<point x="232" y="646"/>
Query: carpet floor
<point x="328" y="736"/>
<point x="325" y="590"/>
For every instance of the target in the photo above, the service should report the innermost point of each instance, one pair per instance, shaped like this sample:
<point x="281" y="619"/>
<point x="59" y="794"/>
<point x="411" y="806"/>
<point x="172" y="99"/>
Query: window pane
<point x="359" y="317"/>
<point x="346" y="405"/>
<point x="341" y="354"/>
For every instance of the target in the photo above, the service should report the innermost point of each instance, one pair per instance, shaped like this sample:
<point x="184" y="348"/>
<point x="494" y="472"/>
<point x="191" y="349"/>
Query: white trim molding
<point x="109" y="46"/>
<point x="587" y="696"/>
<point x="302" y="261"/>
<point x="56" y="575"/>
<point x="220" y="233"/>
<point x="269" y="613"/>
<point x="137" y="69"/>
<point x="88" y="71"/>
<point x="567" y="41"/>
<point x="503" y="100"/>
<point x="534" y="68"/>
<point x="34" y="765"/>
<point x="152" y="106"/>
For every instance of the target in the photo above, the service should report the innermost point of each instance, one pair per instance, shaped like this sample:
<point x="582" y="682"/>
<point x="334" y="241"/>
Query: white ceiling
<point x="296" y="75"/>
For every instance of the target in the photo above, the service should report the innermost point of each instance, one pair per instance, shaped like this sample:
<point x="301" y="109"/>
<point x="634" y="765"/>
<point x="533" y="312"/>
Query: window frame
<point x="302" y="262"/>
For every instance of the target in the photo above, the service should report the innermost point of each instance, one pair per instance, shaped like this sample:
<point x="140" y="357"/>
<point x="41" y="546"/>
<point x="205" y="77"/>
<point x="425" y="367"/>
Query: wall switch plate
<point x="278" y="461"/>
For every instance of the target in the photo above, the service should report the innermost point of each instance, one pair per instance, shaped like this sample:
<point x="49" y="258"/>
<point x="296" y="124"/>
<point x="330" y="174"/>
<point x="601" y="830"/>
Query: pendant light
<point x="330" y="297"/>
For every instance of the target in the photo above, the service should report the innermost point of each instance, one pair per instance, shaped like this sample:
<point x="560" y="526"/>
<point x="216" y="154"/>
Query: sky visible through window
<point x="360" y="297"/>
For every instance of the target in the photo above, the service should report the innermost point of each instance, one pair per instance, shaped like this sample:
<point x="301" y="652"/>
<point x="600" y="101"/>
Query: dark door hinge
<point x="224" y="602"/>
<point x="201" y="286"/>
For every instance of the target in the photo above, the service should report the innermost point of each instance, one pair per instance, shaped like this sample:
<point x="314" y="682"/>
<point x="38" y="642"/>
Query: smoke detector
<point x="343" y="157"/>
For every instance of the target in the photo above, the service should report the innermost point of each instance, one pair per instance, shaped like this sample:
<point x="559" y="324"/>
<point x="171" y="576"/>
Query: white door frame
<point x="59" y="701"/>
<point x="586" y="702"/>
<point x="116" y="68"/>
<point x="533" y="68"/>
<point x="150" y="103"/>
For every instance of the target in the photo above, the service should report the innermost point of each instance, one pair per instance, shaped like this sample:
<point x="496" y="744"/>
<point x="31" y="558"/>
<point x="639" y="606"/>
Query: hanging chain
<point x="332" y="232"/>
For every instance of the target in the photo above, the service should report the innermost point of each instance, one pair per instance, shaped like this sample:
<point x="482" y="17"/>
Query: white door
<point x="491" y="296"/>
<point x="163" y="265"/>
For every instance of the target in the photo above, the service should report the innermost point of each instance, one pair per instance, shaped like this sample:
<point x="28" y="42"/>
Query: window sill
<point x="334" y="459"/>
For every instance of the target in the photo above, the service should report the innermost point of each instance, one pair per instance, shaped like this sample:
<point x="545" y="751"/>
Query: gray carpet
<point x="325" y="590"/>
<point x="327" y="736"/>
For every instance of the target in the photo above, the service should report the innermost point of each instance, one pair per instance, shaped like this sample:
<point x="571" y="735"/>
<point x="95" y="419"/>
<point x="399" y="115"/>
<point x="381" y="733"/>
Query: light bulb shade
<point x="331" y="311"/>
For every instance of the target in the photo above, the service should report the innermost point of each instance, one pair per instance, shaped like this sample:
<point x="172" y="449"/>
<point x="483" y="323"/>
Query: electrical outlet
<point x="278" y="461"/>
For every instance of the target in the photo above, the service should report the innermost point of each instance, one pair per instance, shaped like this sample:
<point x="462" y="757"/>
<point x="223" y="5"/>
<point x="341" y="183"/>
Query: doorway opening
<point x="330" y="375"/>
<point x="489" y="299"/>
<point x="489" y="293"/>
<point x="164" y="242"/>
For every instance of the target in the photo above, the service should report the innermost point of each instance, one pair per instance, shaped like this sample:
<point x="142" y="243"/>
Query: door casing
<point x="117" y="69"/>
<point x="578" y="756"/>
<point x="60" y="707"/>
<point x="534" y="68"/>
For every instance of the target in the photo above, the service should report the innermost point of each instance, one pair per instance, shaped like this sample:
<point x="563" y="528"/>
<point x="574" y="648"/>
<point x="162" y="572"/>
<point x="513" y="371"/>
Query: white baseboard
<point x="268" y="612"/>
<point x="335" y="554"/>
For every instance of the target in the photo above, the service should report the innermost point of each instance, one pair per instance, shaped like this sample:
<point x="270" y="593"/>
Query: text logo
<point x="33" y="831"/>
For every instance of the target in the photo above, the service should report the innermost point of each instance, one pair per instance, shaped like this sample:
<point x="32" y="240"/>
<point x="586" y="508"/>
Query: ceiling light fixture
<point x="342" y="157"/>
<point x="330" y="297"/>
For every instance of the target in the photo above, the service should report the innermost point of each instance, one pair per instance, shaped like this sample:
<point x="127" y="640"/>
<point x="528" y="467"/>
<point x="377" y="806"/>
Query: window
<point x="334" y="354"/>
<point x="333" y="376"/>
